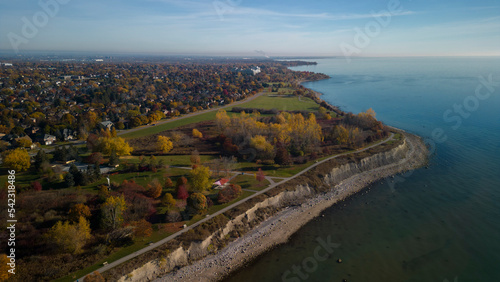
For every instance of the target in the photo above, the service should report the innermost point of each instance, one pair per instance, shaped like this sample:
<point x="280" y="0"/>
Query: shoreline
<point x="278" y="228"/>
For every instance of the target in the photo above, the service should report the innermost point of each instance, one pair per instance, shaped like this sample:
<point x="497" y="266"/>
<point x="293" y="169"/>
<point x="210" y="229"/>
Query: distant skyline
<point x="254" y="28"/>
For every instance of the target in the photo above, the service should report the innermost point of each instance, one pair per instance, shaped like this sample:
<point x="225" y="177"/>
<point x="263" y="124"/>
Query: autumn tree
<point x="196" y="204"/>
<point x="154" y="189"/>
<point x="164" y="144"/>
<point x="222" y="120"/>
<point x="341" y="134"/>
<point x="36" y="186"/>
<point x="168" y="183"/>
<point x="79" y="210"/>
<point x="17" y="159"/>
<point x="94" y="277"/>
<point x="117" y="144"/>
<point x="282" y="156"/>
<point x="181" y="188"/>
<point x="168" y="201"/>
<point x="112" y="211"/>
<point x="260" y="175"/>
<point x="195" y="158"/>
<point x="70" y="237"/>
<point x="263" y="147"/>
<point x="229" y="193"/>
<point x="142" y="228"/>
<point x="200" y="178"/>
<point x="196" y="133"/>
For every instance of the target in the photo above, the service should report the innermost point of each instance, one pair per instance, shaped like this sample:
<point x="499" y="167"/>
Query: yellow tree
<point x="200" y="178"/>
<point x="116" y="144"/>
<point x="112" y="211"/>
<point x="341" y="135"/>
<point x="70" y="237"/>
<point x="18" y="159"/>
<point x="222" y="120"/>
<point x="264" y="148"/>
<point x="79" y="210"/>
<point x="197" y="133"/>
<point x="164" y="144"/>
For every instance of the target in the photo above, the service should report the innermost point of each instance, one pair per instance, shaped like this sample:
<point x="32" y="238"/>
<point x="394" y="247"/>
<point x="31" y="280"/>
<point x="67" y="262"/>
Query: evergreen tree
<point x="40" y="158"/>
<point x="113" y="158"/>
<point x="69" y="179"/>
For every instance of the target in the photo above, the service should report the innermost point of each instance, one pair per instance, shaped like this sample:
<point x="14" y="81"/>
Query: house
<point x="106" y="124"/>
<point x="49" y="139"/>
<point x="68" y="134"/>
<point x="221" y="183"/>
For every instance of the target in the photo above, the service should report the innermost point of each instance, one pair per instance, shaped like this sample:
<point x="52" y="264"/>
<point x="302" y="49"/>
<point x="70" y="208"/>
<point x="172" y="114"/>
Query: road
<point x="273" y="184"/>
<point x="122" y="132"/>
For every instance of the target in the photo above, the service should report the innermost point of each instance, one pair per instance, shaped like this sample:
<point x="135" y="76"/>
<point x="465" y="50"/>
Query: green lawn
<point x="249" y="182"/>
<point x="284" y="103"/>
<point x="171" y="160"/>
<point x="150" y="130"/>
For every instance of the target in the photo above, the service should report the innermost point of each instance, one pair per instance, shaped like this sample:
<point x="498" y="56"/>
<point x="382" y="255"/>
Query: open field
<point x="282" y="103"/>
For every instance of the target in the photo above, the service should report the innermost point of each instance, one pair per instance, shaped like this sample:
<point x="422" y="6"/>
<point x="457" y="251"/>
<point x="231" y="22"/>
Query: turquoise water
<point x="436" y="224"/>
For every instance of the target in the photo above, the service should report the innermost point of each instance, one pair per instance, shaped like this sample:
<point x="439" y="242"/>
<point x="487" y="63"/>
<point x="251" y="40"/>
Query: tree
<point x="112" y="211"/>
<point x="79" y="210"/>
<point x="197" y="133"/>
<point x="282" y="156"/>
<point x="154" y="189"/>
<point x="260" y="175"/>
<point x="142" y="228"/>
<point x="168" y="201"/>
<point x="229" y="193"/>
<point x="95" y="157"/>
<point x="196" y="204"/>
<point x="36" y="186"/>
<point x="264" y="148"/>
<point x="168" y="183"/>
<point x="164" y="144"/>
<point x="117" y="144"/>
<point x="341" y="134"/>
<point x="17" y="159"/>
<point x="69" y="179"/>
<point x="222" y="120"/>
<point x="70" y="237"/>
<point x="195" y="158"/>
<point x="113" y="158"/>
<point x="94" y="277"/>
<point x="200" y="178"/>
<point x="181" y="189"/>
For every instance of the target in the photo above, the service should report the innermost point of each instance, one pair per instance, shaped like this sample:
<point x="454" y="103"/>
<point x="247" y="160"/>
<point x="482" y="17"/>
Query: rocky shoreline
<point x="278" y="228"/>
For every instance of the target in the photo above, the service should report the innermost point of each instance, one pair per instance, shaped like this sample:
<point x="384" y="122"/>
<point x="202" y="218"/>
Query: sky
<point x="254" y="27"/>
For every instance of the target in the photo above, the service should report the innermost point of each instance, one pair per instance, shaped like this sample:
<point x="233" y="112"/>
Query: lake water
<point x="437" y="224"/>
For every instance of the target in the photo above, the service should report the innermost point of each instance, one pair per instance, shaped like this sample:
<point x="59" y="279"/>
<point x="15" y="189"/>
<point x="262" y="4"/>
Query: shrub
<point x="229" y="193"/>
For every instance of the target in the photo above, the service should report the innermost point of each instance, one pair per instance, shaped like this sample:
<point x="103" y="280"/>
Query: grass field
<point x="249" y="182"/>
<point x="150" y="130"/>
<point x="282" y="103"/>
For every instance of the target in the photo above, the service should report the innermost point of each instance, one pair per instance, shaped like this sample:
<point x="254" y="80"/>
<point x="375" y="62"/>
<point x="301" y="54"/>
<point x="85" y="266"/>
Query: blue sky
<point x="240" y="27"/>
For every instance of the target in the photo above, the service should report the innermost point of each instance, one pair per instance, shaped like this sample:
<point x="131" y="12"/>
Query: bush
<point x="196" y="204"/>
<point x="229" y="193"/>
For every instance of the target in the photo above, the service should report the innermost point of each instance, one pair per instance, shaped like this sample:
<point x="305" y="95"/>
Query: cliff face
<point x="398" y="157"/>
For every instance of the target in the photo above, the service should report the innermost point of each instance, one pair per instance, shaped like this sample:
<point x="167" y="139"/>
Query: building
<point x="49" y="139"/>
<point x="221" y="183"/>
<point x="106" y="124"/>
